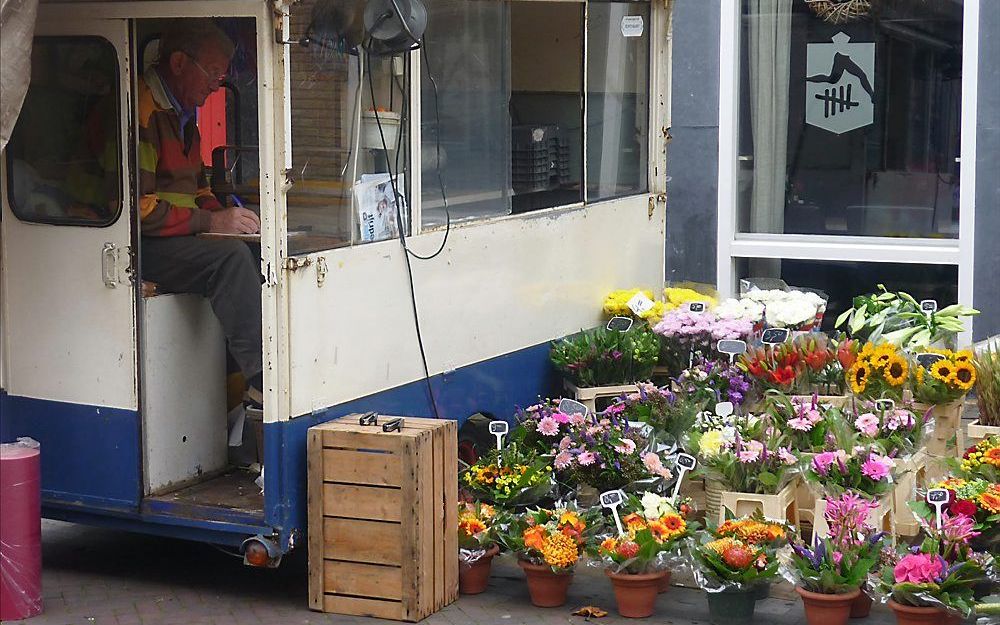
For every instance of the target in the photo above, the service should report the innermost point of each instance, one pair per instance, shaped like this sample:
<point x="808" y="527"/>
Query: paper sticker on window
<point x="632" y="26"/>
<point x="839" y="78"/>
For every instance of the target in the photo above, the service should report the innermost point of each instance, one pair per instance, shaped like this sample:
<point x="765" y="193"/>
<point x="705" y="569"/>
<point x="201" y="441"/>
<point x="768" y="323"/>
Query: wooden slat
<point x="437" y="507"/>
<point x="450" y="468"/>
<point x="362" y="502"/>
<point x="314" y="479"/>
<point x="357" y="467"/>
<point x="357" y="578"/>
<point x="411" y="563"/>
<point x="340" y="435"/>
<point x="363" y="607"/>
<point x="363" y="541"/>
<point x="425" y="533"/>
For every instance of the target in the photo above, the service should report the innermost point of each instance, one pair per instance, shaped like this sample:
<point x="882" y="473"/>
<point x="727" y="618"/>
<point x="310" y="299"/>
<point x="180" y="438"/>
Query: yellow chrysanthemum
<point x="964" y="376"/>
<point x="560" y="551"/>
<point x="896" y="370"/>
<point x="942" y="370"/>
<point x="858" y="376"/>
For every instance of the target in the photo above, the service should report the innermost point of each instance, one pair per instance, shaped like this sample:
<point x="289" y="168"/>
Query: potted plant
<point x="731" y="570"/>
<point x="987" y="364"/>
<point x="758" y="530"/>
<point x="476" y="546"/>
<point x="933" y="582"/>
<point x="637" y="561"/>
<point x="510" y="477"/>
<point x="830" y="575"/>
<point x="548" y="545"/>
<point x="601" y="357"/>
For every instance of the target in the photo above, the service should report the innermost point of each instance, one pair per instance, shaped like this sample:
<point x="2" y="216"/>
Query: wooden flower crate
<point x="948" y="438"/>
<point x="976" y="433"/>
<point x="882" y="518"/>
<point x="589" y="395"/>
<point x="913" y="475"/>
<point x="383" y="510"/>
<point x="780" y="507"/>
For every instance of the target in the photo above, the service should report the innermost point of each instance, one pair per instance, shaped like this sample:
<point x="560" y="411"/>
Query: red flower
<point x="816" y="360"/>
<point x="782" y="376"/>
<point x="846" y="355"/>
<point x="789" y="360"/>
<point x="964" y="506"/>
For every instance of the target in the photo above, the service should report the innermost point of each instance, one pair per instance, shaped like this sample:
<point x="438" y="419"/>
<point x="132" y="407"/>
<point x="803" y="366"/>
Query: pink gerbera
<point x="548" y="427"/>
<point x="563" y="460"/>
<point x="587" y="458"/>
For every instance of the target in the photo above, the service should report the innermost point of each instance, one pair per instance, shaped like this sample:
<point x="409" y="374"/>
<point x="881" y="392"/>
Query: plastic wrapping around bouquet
<point x="913" y="476"/>
<point x="20" y="530"/>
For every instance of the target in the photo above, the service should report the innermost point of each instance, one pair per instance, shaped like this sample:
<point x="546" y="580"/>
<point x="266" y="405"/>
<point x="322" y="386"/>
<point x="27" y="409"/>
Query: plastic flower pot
<point x="665" y="581"/>
<point x="732" y="607"/>
<point x="636" y="594"/>
<point x="862" y="606"/>
<point x="547" y="589"/>
<point x="473" y="578"/>
<point x="762" y="591"/>
<point x="912" y="615"/>
<point x="826" y="609"/>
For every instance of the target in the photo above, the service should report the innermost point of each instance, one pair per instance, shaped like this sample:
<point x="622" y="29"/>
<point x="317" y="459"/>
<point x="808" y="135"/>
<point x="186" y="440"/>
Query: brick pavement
<point x="95" y="576"/>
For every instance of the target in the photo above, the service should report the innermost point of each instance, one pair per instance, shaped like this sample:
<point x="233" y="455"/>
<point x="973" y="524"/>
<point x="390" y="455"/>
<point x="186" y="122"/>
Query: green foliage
<point x="896" y="317"/>
<point x="601" y="358"/>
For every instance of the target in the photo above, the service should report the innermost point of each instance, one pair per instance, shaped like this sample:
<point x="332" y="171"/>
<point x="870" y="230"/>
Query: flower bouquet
<point x="708" y="382"/>
<point x="795" y="310"/>
<point x="875" y="371"/>
<point x="679" y="296"/>
<point x="541" y="426"/>
<point x="476" y="546"/>
<point x="732" y="570"/>
<point x="638" y="560"/>
<point x="684" y="333"/>
<point x="977" y="499"/>
<point x="548" y="545"/>
<point x="948" y="379"/>
<point x="512" y="477"/>
<point x="666" y="412"/>
<point x="864" y="471"/>
<point x="829" y="577"/>
<point x="806" y="365"/>
<point x="804" y="424"/>
<point x="616" y="305"/>
<point x="744" y="309"/>
<point x="895" y="432"/>
<point x="982" y="460"/>
<point x="935" y="579"/>
<point x="601" y="357"/>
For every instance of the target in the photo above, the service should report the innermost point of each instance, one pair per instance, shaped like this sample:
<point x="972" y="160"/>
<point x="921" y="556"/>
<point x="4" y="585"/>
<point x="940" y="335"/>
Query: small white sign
<point x="632" y="26"/>
<point x="612" y="499"/>
<point x="639" y="303"/>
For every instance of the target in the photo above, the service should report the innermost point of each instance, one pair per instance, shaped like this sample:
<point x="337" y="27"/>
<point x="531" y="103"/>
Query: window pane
<point x="842" y="280"/>
<point x="63" y="157"/>
<point x="850" y="128"/>
<point x="466" y="51"/>
<point x="617" y="99"/>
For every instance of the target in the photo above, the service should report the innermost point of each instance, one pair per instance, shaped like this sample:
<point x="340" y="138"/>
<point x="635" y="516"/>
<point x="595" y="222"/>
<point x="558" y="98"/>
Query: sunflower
<point x="920" y="372"/>
<point x="883" y="355"/>
<point x="963" y="356"/>
<point x="859" y="376"/>
<point x="866" y="351"/>
<point x="942" y="370"/>
<point x="896" y="370"/>
<point x="964" y="376"/>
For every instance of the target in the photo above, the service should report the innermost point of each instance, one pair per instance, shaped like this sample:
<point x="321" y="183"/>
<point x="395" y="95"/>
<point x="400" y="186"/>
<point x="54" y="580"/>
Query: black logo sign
<point x="731" y="347"/>
<point x="611" y="498"/>
<point x="928" y="305"/>
<point x="571" y="406"/>
<point x="937" y="495"/>
<point x="884" y="404"/>
<point x="498" y="427"/>
<point x="696" y="307"/>
<point x="687" y="461"/>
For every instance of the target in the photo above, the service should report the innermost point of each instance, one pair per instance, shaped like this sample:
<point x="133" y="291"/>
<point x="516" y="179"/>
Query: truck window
<point x="63" y="158"/>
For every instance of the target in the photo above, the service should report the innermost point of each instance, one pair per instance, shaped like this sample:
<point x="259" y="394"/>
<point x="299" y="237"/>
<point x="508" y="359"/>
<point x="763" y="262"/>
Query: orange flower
<point x="534" y="537"/>
<point x="992" y="456"/>
<point x="471" y="526"/>
<point x="991" y="499"/>
<point x="673" y="522"/>
<point x="608" y="545"/>
<point x="560" y="551"/>
<point x="571" y="519"/>
<point x="635" y="521"/>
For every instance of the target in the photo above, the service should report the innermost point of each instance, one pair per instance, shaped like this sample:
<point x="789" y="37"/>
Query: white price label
<point x="640" y="303"/>
<point x="632" y="26"/>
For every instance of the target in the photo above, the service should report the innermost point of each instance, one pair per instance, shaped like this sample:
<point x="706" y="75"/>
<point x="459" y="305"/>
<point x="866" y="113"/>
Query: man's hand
<point x="234" y="220"/>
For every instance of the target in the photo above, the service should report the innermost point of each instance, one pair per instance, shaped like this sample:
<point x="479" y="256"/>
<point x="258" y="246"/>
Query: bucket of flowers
<point x="807" y="425"/>
<point x="941" y="389"/>
<point x="638" y="561"/>
<point x="795" y="310"/>
<point x="476" y="546"/>
<point x="898" y="430"/>
<point x="510" y="477"/>
<point x="734" y="562"/>
<point x="830" y="575"/>
<point x="601" y="357"/>
<point x="933" y="582"/>
<point x="548" y="544"/>
<point x="668" y="414"/>
<point x="708" y="381"/>
<point x="805" y="366"/>
<point x="541" y="426"/>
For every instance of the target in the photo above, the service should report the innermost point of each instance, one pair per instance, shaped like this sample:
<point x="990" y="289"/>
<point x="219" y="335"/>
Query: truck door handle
<point x="109" y="265"/>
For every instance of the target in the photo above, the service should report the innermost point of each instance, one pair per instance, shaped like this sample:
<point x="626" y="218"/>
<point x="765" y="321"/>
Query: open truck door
<point x="68" y="288"/>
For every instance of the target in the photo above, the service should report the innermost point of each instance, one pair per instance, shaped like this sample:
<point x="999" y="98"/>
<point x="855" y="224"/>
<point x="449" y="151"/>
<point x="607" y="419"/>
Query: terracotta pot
<point x="665" y="582"/>
<point x="823" y="609"/>
<point x="911" y="615"/>
<point x="473" y="578"/>
<point x="636" y="594"/>
<point x="547" y="589"/>
<point x="862" y="606"/>
<point x="732" y="607"/>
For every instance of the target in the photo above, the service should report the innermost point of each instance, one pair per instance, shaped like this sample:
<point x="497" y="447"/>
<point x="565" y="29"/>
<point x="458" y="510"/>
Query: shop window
<point x="841" y="281"/>
<point x="850" y="128"/>
<point x="63" y="158"/>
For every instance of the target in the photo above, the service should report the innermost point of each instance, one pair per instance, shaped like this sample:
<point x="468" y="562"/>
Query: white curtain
<point x="17" y="27"/>
<point x="770" y="36"/>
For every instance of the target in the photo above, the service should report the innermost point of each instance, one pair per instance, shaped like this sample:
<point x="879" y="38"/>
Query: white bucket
<point x="370" y="137"/>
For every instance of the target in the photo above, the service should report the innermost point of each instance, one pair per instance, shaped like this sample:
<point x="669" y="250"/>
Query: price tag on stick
<point x="928" y="306"/>
<point x="774" y="336"/>
<point x="724" y="408"/>
<point x="685" y="463"/>
<point x="571" y="406"/>
<point x="884" y="405"/>
<point x="499" y="429"/>
<point x="937" y="497"/>
<point x="927" y="359"/>
<point x="731" y="347"/>
<point x="639" y="303"/>
<point x="612" y="499"/>
<point x="696" y="307"/>
<point x="619" y="324"/>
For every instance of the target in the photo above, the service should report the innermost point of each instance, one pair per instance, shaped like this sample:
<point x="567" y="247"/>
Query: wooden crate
<point x="589" y="395"/>
<point x="383" y="510"/>
<point x="913" y="475"/>
<point x="976" y="433"/>
<point x="781" y="506"/>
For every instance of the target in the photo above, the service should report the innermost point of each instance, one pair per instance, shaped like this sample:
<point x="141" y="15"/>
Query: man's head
<point x="194" y="58"/>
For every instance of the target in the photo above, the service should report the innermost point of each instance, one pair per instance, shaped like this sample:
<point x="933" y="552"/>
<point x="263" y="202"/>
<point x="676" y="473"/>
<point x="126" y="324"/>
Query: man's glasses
<point x="215" y="81"/>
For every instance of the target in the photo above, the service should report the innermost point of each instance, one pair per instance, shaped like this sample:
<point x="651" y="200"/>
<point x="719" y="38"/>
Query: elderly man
<point x="176" y="203"/>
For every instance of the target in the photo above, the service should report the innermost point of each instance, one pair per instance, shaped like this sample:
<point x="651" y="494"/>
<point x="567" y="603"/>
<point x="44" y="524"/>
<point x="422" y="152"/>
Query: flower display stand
<point x="780" y="507"/>
<point x="881" y="518"/>
<point x="805" y="499"/>
<point x="947" y="438"/>
<point x="589" y="395"/>
<point x="975" y="433"/>
<point x="381" y="508"/>
<point x="913" y="475"/>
